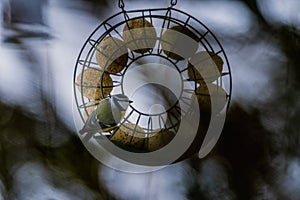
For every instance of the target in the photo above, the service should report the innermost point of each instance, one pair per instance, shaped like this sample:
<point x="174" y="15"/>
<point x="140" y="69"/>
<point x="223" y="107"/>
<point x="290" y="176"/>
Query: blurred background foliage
<point x="257" y="156"/>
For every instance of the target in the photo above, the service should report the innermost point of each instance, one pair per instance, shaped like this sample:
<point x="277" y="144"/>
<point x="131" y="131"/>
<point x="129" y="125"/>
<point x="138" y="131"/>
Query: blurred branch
<point x="253" y="7"/>
<point x="71" y="157"/>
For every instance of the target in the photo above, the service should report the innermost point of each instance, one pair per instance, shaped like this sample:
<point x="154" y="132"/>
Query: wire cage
<point x="142" y="129"/>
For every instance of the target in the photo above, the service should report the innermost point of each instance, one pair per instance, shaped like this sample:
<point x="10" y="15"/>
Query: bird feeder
<point x="175" y="71"/>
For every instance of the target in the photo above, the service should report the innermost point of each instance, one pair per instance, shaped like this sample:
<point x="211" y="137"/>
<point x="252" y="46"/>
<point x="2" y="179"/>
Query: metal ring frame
<point x="163" y="17"/>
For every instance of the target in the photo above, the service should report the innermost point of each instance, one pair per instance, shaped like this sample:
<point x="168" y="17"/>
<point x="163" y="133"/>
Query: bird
<point x="108" y="113"/>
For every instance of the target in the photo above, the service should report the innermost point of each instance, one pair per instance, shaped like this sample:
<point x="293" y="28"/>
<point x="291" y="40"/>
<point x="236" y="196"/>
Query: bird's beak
<point x="130" y="101"/>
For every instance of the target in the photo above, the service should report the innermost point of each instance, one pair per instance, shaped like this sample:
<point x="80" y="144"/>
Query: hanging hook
<point x="173" y="3"/>
<point x="121" y="4"/>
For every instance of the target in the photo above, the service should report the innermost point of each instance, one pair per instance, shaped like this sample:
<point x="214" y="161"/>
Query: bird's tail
<point x="87" y="137"/>
<point x="91" y="125"/>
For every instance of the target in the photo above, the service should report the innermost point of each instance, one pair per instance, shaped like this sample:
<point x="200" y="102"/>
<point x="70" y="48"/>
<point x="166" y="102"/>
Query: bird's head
<point x="120" y="101"/>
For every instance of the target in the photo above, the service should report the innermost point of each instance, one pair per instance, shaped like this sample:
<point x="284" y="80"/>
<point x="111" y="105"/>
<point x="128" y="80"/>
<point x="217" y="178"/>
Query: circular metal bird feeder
<point x="150" y="72"/>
